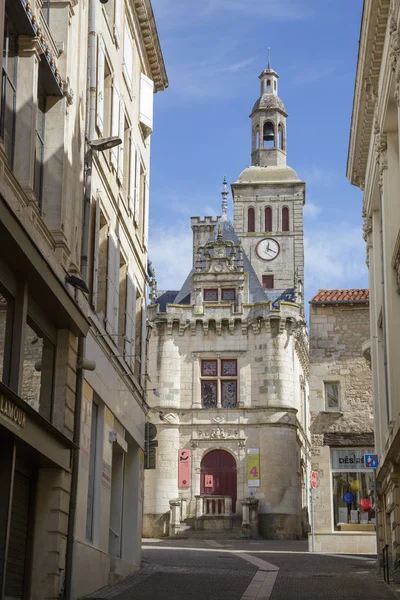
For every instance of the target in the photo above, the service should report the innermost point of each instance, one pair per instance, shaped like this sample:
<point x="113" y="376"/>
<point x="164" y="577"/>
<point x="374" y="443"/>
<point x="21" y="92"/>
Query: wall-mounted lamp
<point x="102" y="144"/>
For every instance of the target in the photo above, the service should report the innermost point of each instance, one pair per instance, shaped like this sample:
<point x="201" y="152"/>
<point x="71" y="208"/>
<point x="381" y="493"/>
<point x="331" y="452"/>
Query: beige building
<point x="228" y="358"/>
<point x="373" y="165"/>
<point x="75" y="123"/>
<point x="341" y="424"/>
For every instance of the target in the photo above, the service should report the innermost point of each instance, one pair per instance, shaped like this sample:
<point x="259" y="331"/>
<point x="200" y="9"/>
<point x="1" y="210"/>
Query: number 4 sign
<point x="253" y="467"/>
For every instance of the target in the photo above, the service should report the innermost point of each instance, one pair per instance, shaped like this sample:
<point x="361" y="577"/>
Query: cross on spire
<point x="224" y="195"/>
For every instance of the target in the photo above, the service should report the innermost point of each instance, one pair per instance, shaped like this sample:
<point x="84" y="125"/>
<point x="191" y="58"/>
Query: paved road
<point x="247" y="570"/>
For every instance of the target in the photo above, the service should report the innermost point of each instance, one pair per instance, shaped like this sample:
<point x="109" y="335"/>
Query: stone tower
<point x="269" y="198"/>
<point x="228" y="361"/>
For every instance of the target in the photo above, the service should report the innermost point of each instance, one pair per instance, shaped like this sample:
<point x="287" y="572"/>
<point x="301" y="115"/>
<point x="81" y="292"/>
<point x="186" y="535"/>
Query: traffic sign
<point x="313" y="479"/>
<point x="371" y="461"/>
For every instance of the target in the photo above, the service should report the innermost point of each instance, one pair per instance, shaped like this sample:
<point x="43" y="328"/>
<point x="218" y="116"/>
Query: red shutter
<point x="268" y="282"/>
<point x="285" y="218"/>
<point x="268" y="219"/>
<point x="250" y="220"/>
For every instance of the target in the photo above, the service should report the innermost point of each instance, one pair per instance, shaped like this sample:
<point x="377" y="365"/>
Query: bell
<point x="268" y="136"/>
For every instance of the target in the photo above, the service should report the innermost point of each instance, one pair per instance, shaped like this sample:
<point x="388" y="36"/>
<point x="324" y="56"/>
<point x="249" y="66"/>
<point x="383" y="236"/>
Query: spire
<point x="269" y="58"/>
<point x="224" y="195"/>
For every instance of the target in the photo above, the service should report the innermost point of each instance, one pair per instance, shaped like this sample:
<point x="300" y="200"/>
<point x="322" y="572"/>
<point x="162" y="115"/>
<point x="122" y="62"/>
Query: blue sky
<point x="214" y="51"/>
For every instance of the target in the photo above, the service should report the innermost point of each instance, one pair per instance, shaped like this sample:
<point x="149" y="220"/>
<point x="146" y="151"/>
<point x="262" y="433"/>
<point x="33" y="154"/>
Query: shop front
<point x="344" y="502"/>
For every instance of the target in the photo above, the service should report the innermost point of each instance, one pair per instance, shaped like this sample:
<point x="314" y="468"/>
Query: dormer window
<point x="228" y="294"/>
<point x="211" y="295"/>
<point x="222" y="294"/>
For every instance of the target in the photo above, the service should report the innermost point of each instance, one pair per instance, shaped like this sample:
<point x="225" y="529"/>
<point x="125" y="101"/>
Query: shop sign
<point x="184" y="468"/>
<point x="12" y="411"/>
<point x="253" y="467"/>
<point x="349" y="459"/>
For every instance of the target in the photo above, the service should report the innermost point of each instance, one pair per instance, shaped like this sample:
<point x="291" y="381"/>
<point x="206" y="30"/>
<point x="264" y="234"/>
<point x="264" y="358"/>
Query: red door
<point x="218" y="475"/>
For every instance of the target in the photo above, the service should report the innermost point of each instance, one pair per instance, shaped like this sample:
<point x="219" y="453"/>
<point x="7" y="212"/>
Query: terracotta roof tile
<point x="355" y="295"/>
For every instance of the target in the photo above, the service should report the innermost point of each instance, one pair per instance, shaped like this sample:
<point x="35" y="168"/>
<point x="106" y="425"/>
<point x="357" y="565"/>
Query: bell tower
<point x="269" y="197"/>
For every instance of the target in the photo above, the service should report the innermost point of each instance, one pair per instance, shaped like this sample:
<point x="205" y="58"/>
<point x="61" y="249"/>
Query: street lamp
<point x="102" y="144"/>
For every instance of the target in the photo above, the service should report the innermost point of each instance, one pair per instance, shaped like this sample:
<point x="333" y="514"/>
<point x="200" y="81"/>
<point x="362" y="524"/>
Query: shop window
<point x="38" y="370"/>
<point x="8" y="91"/>
<point x="6" y="324"/>
<point x="219" y="383"/>
<point x="353" y="498"/>
<point x="331" y="396"/>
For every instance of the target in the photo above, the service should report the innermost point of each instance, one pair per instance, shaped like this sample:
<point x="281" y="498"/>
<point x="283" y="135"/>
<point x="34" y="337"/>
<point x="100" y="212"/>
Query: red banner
<point x="184" y="468"/>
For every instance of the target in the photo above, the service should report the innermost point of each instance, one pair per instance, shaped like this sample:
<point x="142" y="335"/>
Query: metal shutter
<point x="17" y="546"/>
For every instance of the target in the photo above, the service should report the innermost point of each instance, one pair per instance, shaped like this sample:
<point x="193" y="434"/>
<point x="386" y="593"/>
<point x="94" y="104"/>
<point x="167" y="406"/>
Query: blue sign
<point x="348" y="497"/>
<point x="371" y="461"/>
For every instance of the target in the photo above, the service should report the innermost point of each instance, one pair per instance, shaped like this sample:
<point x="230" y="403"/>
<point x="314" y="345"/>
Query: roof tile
<point x="354" y="295"/>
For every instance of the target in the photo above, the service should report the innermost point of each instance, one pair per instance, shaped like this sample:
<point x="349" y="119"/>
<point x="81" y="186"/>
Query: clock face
<point x="267" y="249"/>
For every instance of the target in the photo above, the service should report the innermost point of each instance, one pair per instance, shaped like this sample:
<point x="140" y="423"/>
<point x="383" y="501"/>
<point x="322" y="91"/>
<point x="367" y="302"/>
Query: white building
<point x="228" y="358"/>
<point x="73" y="257"/>
<point x="373" y="165"/>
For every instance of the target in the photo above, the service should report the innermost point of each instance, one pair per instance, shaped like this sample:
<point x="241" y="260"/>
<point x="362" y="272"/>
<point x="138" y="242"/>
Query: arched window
<point x="268" y="219"/>
<point x="250" y="220"/>
<point x="257" y="138"/>
<point x="285" y="218"/>
<point x="268" y="85"/>
<point x="280" y="137"/>
<point x="268" y="135"/>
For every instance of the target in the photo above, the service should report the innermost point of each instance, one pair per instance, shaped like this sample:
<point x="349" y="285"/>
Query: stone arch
<point x="218" y="473"/>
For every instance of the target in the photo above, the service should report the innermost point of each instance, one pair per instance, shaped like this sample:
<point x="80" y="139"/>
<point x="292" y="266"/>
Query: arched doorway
<point x="221" y="466"/>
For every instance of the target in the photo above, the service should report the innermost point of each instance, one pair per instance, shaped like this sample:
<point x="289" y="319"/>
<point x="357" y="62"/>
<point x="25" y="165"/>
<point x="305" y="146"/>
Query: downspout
<point x="70" y="560"/>
<point x="385" y="367"/>
<point x="70" y="553"/>
<point x="90" y="131"/>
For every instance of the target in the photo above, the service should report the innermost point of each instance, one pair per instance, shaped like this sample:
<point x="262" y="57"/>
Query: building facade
<point x="75" y="124"/>
<point x="341" y="424"/>
<point x="373" y="166"/>
<point x="228" y="358"/>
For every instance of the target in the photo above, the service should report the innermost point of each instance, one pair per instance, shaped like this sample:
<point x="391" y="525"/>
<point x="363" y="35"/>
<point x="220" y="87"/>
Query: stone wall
<point x="337" y="333"/>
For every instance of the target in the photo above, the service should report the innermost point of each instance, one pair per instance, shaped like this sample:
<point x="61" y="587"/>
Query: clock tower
<point x="269" y="198"/>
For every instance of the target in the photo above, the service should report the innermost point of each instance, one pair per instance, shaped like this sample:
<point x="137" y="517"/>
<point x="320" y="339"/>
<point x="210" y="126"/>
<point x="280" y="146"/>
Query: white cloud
<point x="335" y="257"/>
<point x="170" y="250"/>
<point x="311" y="210"/>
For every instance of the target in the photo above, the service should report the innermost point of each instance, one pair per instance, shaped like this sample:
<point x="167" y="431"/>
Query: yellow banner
<point x="253" y="467"/>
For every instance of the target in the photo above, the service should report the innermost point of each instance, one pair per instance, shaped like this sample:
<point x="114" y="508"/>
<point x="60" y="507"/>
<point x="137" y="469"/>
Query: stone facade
<point x="222" y="315"/>
<point x="337" y="332"/>
<point x="76" y="116"/>
<point x="373" y="166"/>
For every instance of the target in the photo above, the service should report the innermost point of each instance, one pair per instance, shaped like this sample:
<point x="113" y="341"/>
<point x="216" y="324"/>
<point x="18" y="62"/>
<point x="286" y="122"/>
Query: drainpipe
<point x="70" y="553"/>
<point x="90" y="130"/>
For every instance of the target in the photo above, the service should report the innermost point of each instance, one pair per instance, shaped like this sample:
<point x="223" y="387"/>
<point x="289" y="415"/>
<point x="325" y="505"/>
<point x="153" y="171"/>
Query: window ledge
<point x="331" y="412"/>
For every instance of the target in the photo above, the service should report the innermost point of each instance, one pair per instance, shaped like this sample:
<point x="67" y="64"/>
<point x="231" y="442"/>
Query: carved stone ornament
<point x="170" y="418"/>
<point x="218" y="433"/>
<point x="367" y="227"/>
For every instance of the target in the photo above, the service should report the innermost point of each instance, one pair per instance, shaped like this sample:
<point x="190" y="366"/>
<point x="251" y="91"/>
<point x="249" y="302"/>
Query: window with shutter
<point x="143" y="340"/>
<point x="128" y="56"/>
<point x="285" y="218"/>
<point x="130" y="320"/>
<point x="146" y="213"/>
<point x="100" y="85"/>
<point x="121" y="133"/>
<point x="268" y="219"/>
<point x="115" y="123"/>
<point x="132" y="174"/>
<point x="251" y="220"/>
<point x="137" y="188"/>
<point x="96" y="255"/>
<point x="112" y="285"/>
<point x="146" y="103"/>
<point x="117" y="23"/>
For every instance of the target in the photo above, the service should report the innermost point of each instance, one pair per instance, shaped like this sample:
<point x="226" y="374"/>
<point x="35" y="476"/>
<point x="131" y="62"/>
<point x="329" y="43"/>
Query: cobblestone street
<point x="247" y="570"/>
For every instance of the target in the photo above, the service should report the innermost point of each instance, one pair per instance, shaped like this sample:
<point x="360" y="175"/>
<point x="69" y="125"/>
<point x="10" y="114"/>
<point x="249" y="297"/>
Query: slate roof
<point x="335" y="296"/>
